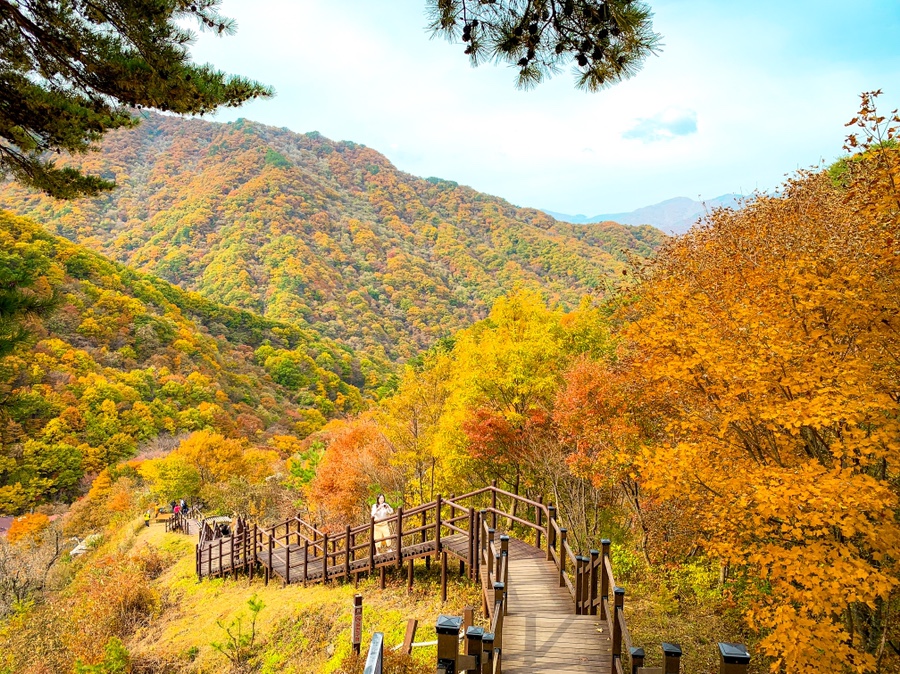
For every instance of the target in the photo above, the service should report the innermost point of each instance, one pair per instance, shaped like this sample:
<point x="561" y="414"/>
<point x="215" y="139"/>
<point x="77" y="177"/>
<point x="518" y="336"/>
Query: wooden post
<point x="410" y="636"/>
<point x="437" y="525"/>
<point x="494" y="504"/>
<point x="490" y="553"/>
<point x="617" y="626"/>
<point x="220" y="557"/>
<point x="347" y="553"/>
<point x="539" y="519"/>
<point x="425" y="537"/>
<point x="305" y="562"/>
<point x="468" y="617"/>
<point x="324" y="558"/>
<point x="268" y="567"/>
<point x="586" y="586"/>
<point x="637" y="659"/>
<point x="447" y="629"/>
<point x="592" y="595"/>
<point x="400" y="537"/>
<point x="473" y="644"/>
<point x="443" y="576"/>
<point x="504" y="564"/>
<point x="499" y="592"/>
<point x="410" y="574"/>
<point x="472" y="538"/>
<point x="356" y="629"/>
<point x="371" y="545"/>
<point x="487" y="653"/>
<point x="287" y="563"/>
<point x="578" y="583"/>
<point x="562" y="557"/>
<point x="233" y="567"/>
<point x="245" y="539"/>
<point x="254" y="562"/>
<point x="381" y="577"/>
<point x="604" y="579"/>
<point x="197" y="563"/>
<point x="733" y="658"/>
<point x="551" y="532"/>
<point x="480" y="518"/>
<point x="672" y="655"/>
<point x="499" y="595"/>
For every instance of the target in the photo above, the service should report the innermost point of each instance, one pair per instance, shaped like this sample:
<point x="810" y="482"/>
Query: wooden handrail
<point x="482" y="490"/>
<point x="509" y="516"/>
<point x="607" y="569"/>
<point x="626" y="635"/>
<point x="455" y="505"/>
<point x="454" y="528"/>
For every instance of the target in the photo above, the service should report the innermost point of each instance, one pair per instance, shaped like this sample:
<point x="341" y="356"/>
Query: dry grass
<point x="300" y="629"/>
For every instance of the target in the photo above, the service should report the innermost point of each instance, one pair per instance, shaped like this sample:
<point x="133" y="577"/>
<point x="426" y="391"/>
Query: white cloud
<point x="770" y="84"/>
<point x="666" y="125"/>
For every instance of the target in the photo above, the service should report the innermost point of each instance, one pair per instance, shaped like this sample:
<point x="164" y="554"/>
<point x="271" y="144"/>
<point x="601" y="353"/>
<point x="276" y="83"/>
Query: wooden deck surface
<point x="541" y="633"/>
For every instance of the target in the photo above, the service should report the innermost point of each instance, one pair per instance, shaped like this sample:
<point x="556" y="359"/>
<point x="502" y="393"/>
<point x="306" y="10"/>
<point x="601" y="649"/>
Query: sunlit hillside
<point x="323" y="234"/>
<point x="126" y="359"/>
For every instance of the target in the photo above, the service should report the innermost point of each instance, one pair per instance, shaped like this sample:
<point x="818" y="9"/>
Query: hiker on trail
<point x="380" y="512"/>
<point x="183" y="505"/>
<point x="176" y="509"/>
<point x="147" y="519"/>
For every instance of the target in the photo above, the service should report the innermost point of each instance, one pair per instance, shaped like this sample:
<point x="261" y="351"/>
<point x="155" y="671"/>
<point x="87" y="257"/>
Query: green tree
<point x="70" y="71"/>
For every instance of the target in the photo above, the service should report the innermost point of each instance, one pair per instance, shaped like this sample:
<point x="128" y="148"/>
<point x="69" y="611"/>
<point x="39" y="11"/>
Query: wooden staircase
<point x="551" y="610"/>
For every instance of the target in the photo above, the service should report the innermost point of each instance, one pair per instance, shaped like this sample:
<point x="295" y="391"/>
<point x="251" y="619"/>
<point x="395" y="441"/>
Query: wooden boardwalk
<point x="540" y="632"/>
<point x="551" y="609"/>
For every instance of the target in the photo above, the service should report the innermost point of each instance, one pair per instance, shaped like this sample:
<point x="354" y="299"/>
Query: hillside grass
<point x="299" y="630"/>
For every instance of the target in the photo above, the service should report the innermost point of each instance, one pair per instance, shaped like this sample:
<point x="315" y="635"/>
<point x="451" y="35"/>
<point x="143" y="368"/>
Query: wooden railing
<point x="297" y="551"/>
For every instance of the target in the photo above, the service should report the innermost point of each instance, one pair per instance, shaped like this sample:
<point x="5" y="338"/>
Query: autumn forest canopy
<point x="265" y="322"/>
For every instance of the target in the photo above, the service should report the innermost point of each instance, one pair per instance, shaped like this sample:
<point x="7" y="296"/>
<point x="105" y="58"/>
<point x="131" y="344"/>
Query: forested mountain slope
<point x="126" y="357"/>
<point x="322" y="234"/>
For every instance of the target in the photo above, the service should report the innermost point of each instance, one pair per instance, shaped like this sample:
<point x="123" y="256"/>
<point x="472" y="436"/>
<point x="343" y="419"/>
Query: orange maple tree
<point x="775" y="332"/>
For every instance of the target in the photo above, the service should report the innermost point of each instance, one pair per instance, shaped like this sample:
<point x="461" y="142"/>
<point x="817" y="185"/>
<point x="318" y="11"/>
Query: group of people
<point x="179" y="506"/>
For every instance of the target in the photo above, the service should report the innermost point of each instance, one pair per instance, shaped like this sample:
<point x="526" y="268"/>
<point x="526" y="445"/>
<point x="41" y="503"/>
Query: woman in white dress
<point x="380" y="512"/>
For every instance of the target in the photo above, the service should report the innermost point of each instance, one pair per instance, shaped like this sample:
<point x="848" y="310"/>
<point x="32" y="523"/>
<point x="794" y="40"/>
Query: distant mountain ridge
<point x="323" y="235"/>
<point x="673" y="216"/>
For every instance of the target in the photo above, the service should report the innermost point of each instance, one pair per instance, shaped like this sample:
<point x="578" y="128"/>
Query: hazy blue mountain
<point x="673" y="216"/>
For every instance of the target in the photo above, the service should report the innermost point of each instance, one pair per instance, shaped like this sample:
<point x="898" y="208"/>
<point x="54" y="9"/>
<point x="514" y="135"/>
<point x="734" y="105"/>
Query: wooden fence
<point x="466" y="526"/>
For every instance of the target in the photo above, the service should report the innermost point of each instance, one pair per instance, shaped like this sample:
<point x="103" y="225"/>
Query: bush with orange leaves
<point x="28" y="529"/>
<point x="354" y="467"/>
<point x="110" y="597"/>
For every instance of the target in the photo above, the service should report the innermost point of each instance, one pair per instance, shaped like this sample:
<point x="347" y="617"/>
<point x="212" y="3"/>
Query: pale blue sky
<point x="742" y="94"/>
